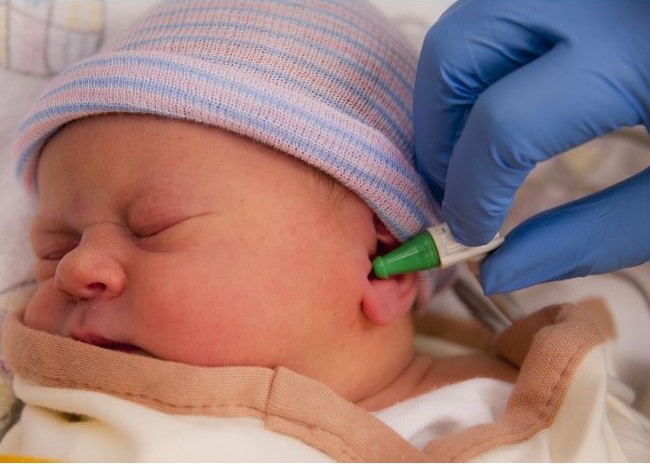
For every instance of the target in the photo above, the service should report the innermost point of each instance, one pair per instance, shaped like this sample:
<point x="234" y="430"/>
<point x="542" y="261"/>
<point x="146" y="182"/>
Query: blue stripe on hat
<point x="405" y="139"/>
<point x="250" y="91"/>
<point x="329" y="51"/>
<point x="305" y="6"/>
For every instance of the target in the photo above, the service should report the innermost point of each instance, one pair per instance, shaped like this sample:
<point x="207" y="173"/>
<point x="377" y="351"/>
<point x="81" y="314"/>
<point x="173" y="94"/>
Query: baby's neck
<point x="425" y="373"/>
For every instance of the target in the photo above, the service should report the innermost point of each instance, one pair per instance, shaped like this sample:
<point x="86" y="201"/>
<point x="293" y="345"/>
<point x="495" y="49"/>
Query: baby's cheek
<point x="47" y="310"/>
<point x="44" y="269"/>
<point x="173" y="307"/>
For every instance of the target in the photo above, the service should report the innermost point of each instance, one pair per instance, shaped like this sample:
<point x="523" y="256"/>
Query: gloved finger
<point x="470" y="47"/>
<point x="606" y="231"/>
<point x="546" y="107"/>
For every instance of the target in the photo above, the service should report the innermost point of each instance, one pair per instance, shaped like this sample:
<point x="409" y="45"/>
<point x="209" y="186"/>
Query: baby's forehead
<point x="171" y="156"/>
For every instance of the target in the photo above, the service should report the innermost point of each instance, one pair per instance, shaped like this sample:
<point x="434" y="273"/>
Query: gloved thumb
<point x="603" y="232"/>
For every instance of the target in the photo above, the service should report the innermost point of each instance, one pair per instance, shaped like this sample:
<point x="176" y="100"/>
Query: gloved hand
<point x="504" y="85"/>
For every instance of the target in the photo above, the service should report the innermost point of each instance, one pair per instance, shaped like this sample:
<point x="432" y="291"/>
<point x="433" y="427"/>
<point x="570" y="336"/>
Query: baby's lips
<point x="102" y="342"/>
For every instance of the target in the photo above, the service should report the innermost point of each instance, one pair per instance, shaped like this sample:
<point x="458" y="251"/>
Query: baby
<point x="212" y="189"/>
<point x="193" y="244"/>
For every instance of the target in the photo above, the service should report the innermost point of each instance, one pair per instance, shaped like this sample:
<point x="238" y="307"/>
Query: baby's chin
<point x="367" y="392"/>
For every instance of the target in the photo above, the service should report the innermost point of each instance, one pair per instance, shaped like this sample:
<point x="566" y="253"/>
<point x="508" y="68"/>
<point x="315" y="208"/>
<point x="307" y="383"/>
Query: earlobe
<point x="386" y="300"/>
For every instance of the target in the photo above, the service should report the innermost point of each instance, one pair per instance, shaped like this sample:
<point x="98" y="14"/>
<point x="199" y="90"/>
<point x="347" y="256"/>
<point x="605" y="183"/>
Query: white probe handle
<point x="451" y="252"/>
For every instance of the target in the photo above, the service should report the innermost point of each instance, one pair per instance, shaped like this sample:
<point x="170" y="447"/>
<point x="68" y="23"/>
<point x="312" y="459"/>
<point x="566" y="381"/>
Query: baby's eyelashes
<point x="144" y="232"/>
<point x="56" y="255"/>
<point x="45" y="268"/>
<point x="143" y="229"/>
<point x="166" y="231"/>
<point x="48" y="259"/>
<point x="53" y="251"/>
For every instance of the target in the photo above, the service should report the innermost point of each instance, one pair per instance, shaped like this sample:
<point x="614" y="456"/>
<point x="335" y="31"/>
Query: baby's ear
<point x="386" y="300"/>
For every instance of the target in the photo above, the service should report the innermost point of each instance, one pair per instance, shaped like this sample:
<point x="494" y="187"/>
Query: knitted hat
<point x="327" y="82"/>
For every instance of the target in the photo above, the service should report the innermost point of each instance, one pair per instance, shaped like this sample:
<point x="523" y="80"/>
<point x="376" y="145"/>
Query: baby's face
<point x="194" y="245"/>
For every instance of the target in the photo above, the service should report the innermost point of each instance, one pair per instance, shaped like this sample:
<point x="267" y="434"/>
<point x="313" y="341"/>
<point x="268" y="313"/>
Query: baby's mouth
<point x="98" y="340"/>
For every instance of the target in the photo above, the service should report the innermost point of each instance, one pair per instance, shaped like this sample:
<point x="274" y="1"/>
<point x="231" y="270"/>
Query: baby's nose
<point x="93" y="269"/>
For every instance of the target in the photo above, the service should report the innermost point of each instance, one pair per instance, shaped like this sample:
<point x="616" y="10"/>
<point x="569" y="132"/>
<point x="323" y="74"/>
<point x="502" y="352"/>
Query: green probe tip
<point x="379" y="268"/>
<point x="417" y="254"/>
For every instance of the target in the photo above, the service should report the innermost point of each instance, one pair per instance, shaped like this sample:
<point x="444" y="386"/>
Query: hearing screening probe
<point x="435" y="247"/>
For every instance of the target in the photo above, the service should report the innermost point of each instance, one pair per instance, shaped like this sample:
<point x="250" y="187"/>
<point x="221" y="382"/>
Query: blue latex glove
<point x="503" y="85"/>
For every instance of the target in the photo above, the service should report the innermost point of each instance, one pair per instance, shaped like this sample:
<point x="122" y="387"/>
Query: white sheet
<point x="447" y="410"/>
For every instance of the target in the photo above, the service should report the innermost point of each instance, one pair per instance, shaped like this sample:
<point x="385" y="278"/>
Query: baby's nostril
<point x="97" y="286"/>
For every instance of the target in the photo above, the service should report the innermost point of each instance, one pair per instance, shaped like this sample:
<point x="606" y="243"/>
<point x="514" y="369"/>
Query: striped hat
<point x="327" y="82"/>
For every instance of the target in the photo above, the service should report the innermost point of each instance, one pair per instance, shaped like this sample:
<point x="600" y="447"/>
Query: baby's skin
<point x="192" y="244"/>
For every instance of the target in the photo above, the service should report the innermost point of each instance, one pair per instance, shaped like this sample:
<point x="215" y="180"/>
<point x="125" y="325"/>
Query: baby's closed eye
<point x="48" y="258"/>
<point x="150" y="229"/>
<point x="54" y="247"/>
<point x="159" y="234"/>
